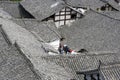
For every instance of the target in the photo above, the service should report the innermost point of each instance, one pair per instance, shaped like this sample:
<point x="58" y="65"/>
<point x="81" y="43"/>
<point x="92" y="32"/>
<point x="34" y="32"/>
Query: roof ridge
<point x="110" y="63"/>
<point x="105" y="15"/>
<point x="81" y="55"/>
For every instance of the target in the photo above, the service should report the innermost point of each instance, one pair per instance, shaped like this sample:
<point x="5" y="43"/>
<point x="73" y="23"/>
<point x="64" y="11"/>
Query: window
<point x="65" y="16"/>
<point x="73" y="16"/>
<point x="103" y="8"/>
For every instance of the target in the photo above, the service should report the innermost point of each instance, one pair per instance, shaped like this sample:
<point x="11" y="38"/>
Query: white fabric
<point x="73" y="52"/>
<point x="48" y="48"/>
<point x="82" y="10"/>
<point x="55" y="44"/>
<point x="51" y="53"/>
<point x="65" y="45"/>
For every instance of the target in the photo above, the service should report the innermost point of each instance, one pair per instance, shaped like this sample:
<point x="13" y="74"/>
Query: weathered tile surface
<point x="94" y="32"/>
<point x="13" y="66"/>
<point x="42" y="9"/>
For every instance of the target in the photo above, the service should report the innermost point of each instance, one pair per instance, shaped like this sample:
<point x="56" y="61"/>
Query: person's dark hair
<point x="61" y="39"/>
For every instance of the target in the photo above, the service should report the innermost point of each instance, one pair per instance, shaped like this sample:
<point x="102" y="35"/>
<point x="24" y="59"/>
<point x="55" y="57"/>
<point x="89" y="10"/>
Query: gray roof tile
<point x="94" y="32"/>
<point x="94" y="4"/>
<point x="42" y="9"/>
<point x="82" y="63"/>
<point x="11" y="7"/>
<point x="13" y="66"/>
<point x="3" y="43"/>
<point x="28" y="44"/>
<point x="113" y="14"/>
<point x="4" y="14"/>
<point x="110" y="71"/>
<point x="46" y="30"/>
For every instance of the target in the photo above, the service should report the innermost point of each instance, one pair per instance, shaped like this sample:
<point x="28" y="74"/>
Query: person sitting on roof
<point x="58" y="47"/>
<point x="63" y="48"/>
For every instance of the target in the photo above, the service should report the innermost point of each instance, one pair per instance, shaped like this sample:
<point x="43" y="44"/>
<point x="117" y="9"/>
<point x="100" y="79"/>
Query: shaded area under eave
<point x="113" y="4"/>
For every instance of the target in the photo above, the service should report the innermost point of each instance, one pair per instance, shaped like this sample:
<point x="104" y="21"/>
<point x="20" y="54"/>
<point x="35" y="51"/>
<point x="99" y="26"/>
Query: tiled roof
<point x="94" y="32"/>
<point x="42" y="9"/>
<point x="113" y="14"/>
<point x="46" y="30"/>
<point x="4" y="14"/>
<point x="113" y="3"/>
<point x="94" y="4"/>
<point x="3" y="43"/>
<point x="33" y="52"/>
<point x="13" y="66"/>
<point x="82" y="63"/>
<point x="110" y="71"/>
<point x="11" y="7"/>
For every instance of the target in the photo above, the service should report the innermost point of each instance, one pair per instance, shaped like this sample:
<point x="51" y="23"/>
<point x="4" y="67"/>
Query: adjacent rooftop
<point x="27" y="28"/>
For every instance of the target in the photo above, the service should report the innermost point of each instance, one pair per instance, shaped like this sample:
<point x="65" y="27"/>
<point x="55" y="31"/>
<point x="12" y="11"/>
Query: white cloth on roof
<point x="52" y="47"/>
<point x="55" y="44"/>
<point x="51" y="53"/>
<point x="48" y="48"/>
